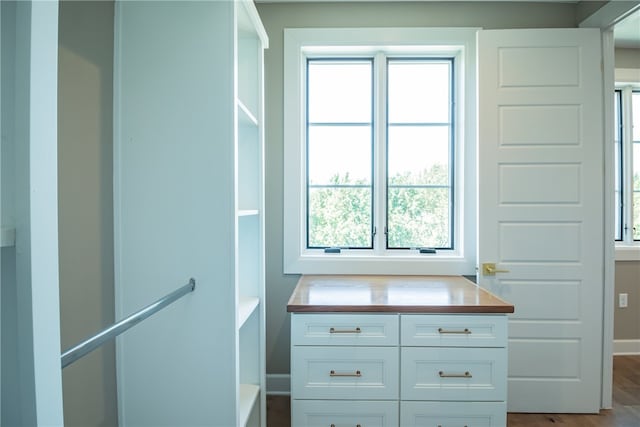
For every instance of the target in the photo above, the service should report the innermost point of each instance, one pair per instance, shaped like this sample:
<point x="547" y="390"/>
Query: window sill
<point x="417" y="264"/>
<point x="627" y="252"/>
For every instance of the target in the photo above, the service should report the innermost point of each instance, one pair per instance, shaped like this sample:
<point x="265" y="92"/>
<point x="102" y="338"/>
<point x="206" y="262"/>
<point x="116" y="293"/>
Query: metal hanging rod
<point x="90" y="344"/>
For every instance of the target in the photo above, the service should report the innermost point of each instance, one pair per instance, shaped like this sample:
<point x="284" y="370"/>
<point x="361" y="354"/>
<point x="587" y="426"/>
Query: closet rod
<point x="90" y="344"/>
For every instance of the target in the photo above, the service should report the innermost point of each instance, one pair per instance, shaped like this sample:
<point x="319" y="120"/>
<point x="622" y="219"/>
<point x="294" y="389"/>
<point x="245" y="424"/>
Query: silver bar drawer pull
<point x="465" y="331"/>
<point x="439" y="425"/>
<point x="333" y="373"/>
<point x="345" y="331"/>
<point x="445" y="375"/>
<point x="358" y="425"/>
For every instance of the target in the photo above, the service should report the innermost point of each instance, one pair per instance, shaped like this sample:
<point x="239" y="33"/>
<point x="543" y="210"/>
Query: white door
<point x="541" y="209"/>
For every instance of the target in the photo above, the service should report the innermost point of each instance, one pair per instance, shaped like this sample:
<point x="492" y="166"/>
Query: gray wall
<point x="276" y="17"/>
<point x="627" y="58"/>
<point x="85" y="135"/>
<point x="627" y="320"/>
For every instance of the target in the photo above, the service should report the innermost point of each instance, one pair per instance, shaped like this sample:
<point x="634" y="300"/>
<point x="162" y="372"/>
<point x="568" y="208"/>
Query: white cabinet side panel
<point x="174" y="201"/>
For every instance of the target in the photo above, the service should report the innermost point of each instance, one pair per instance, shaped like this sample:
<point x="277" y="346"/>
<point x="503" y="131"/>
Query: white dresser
<point x="397" y="351"/>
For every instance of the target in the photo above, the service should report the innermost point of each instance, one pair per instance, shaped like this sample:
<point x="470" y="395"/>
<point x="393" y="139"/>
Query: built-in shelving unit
<point x="189" y="152"/>
<point x="251" y="40"/>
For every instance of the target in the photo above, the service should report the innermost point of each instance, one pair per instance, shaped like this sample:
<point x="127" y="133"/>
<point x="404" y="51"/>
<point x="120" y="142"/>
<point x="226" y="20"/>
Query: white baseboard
<point x="626" y="347"/>
<point x="278" y="385"/>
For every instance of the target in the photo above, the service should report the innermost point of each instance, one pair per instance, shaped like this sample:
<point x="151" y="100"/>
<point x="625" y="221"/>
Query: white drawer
<point x="451" y="330"/>
<point x="445" y="414"/>
<point x="344" y="372"/>
<point x="436" y="373"/>
<point x="326" y="413"/>
<point x="345" y="329"/>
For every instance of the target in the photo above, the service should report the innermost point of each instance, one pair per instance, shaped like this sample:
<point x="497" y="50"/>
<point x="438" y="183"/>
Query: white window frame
<point x="457" y="42"/>
<point x="627" y="80"/>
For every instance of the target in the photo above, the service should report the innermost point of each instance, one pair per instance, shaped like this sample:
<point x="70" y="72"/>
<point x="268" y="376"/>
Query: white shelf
<point x="245" y="116"/>
<point x="249" y="138"/>
<point x="7" y="237"/>
<point x="246" y="307"/>
<point x="248" y="212"/>
<point x="248" y="396"/>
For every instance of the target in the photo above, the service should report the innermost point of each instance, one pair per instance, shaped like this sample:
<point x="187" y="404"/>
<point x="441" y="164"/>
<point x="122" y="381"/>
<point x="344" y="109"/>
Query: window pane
<point x="636" y="166"/>
<point x="635" y="109"/>
<point x="339" y="216"/>
<point x="618" y="166"/>
<point x="618" y="229"/>
<point x="418" y="155"/>
<point x="419" y="91"/>
<point x="339" y="153"/>
<point x="419" y="152"/>
<point x="419" y="217"/>
<point x="636" y="216"/>
<point x="339" y="91"/>
<point x="636" y="189"/>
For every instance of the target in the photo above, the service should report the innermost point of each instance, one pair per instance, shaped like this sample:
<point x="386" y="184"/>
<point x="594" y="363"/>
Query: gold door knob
<point x="490" y="269"/>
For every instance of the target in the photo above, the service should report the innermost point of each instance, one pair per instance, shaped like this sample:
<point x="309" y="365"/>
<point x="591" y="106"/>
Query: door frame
<point x="605" y="18"/>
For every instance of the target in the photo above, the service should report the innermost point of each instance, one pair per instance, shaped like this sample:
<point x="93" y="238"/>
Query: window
<point x="417" y="140"/>
<point x="379" y="148"/>
<point x="627" y="164"/>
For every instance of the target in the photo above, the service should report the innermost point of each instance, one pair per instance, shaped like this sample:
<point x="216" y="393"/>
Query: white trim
<point x="458" y="41"/>
<point x="626" y="347"/>
<point x="278" y="385"/>
<point x="117" y="205"/>
<point x="608" y="61"/>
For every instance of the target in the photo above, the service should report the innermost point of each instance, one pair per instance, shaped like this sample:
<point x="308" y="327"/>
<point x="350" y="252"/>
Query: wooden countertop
<point x="399" y="294"/>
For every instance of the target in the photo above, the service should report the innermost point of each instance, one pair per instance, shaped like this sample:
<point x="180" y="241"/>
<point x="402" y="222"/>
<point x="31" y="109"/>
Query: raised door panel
<point x="441" y="414"/>
<point x="344" y="372"/>
<point x="345" y="329"/>
<point x="474" y="374"/>
<point x="338" y="413"/>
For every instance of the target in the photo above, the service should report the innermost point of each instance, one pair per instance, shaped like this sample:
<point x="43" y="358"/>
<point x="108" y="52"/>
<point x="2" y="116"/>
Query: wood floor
<point x="625" y="412"/>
